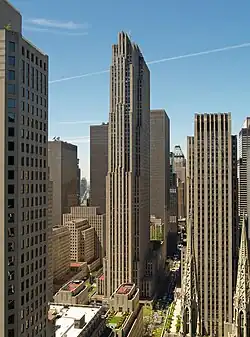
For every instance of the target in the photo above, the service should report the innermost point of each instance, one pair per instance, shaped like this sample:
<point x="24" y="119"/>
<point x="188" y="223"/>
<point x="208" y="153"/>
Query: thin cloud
<point x="51" y="31"/>
<point x="79" y="76"/>
<point x="80" y="122"/>
<point x="206" y="52"/>
<point x="70" y="25"/>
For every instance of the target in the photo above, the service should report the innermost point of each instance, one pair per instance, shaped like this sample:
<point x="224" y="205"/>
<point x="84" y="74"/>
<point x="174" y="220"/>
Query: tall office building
<point x="244" y="145"/>
<point x="63" y="168"/>
<point x="128" y="178"/>
<point x="23" y="180"/>
<point x="160" y="167"/>
<point x="98" y="165"/>
<point x="173" y="210"/>
<point x="179" y="163"/>
<point x="212" y="203"/>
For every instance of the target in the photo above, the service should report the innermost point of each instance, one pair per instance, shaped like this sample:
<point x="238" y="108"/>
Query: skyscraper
<point x="244" y="145"/>
<point x="128" y="178"/>
<point x="98" y="165"/>
<point x="23" y="180"/>
<point x="173" y="210"/>
<point x="64" y="173"/>
<point x="160" y="168"/>
<point x="211" y="200"/>
<point x="179" y="164"/>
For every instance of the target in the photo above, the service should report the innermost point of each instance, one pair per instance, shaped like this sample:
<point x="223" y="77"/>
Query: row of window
<point x="29" y="55"/>
<point x="31" y="162"/>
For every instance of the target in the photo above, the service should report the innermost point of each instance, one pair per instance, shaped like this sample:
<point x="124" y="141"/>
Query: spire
<point x="243" y="275"/>
<point x="190" y="302"/>
<point x="242" y="294"/>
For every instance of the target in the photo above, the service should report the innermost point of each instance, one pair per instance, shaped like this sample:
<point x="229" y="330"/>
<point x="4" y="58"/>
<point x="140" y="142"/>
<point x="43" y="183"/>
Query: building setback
<point x="23" y="180"/>
<point x="63" y="165"/>
<point x="98" y="165"/>
<point x="212" y="205"/>
<point x="128" y="178"/>
<point x="160" y="168"/>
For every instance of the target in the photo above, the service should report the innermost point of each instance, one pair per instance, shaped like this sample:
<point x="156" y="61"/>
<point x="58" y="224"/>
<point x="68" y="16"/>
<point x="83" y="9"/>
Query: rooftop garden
<point x="116" y="319"/>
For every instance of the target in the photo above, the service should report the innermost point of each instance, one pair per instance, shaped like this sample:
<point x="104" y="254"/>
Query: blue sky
<point x="77" y="35"/>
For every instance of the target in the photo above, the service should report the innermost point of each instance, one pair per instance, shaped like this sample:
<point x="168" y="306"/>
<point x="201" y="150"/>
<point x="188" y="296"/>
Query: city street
<point x="154" y="317"/>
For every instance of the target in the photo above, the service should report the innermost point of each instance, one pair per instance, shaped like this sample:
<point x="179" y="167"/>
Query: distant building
<point x="173" y="209"/>
<point x="64" y="171"/>
<point x="82" y="238"/>
<point x="83" y="187"/>
<point x="243" y="178"/>
<point x="95" y="220"/>
<point x="60" y="251"/>
<point x="160" y="168"/>
<point x="98" y="165"/>
<point x="179" y="165"/>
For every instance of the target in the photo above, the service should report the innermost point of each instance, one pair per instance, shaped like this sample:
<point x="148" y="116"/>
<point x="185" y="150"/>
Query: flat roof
<point x="66" y="317"/>
<point x="76" y="264"/>
<point x="124" y="288"/>
<point x="72" y="285"/>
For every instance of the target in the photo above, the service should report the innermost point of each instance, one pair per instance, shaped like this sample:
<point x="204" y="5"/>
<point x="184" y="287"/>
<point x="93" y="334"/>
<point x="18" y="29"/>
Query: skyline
<point x="214" y="82"/>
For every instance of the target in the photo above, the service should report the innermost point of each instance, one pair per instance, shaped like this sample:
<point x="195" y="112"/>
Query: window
<point x="11" y="203"/>
<point x="10" y="160"/>
<point x="11" y="189"/>
<point x="12" y="62"/>
<point x="11" y="75"/>
<point x="11" y="132"/>
<point x="11" y="174"/>
<point x="11" y="117"/>
<point x="11" y="304"/>
<point x="12" y="47"/>
<point x="11" y="146"/>
<point x="11" y="89"/>
<point x="11" y="103"/>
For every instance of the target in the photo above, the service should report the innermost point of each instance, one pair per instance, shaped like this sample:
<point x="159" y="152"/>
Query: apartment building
<point x="81" y="240"/>
<point x="61" y="251"/>
<point x="97" y="220"/>
<point x="23" y="180"/>
<point x="128" y="177"/>
<point x="98" y="165"/>
<point x="64" y="172"/>
<point x="212" y="204"/>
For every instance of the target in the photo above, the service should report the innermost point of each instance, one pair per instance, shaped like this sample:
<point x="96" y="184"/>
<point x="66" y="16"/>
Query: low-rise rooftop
<point x="66" y="317"/>
<point x="72" y="285"/>
<point x="124" y="289"/>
